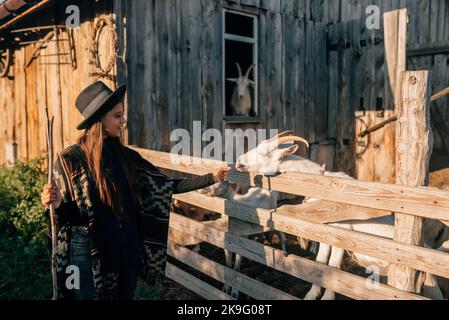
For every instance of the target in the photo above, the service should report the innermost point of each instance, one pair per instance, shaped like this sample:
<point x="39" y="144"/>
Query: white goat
<point x="241" y="97"/>
<point x="268" y="159"/>
<point x="382" y="227"/>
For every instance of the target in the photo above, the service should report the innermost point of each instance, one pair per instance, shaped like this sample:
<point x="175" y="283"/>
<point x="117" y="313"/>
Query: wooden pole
<point x="440" y="94"/>
<point x="52" y="209"/>
<point x="414" y="143"/>
<point x="435" y="97"/>
<point x="24" y="14"/>
<point x="395" y="35"/>
<point x="377" y="126"/>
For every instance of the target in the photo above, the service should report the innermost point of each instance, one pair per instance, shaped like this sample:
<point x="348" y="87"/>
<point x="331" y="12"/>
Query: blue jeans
<point x="80" y="257"/>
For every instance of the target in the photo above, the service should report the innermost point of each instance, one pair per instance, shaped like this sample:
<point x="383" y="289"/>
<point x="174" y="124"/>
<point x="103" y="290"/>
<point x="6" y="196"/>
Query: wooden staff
<point x="52" y="209"/>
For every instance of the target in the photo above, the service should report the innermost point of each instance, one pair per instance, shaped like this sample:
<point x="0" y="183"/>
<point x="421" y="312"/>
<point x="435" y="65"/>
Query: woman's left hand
<point x="220" y="173"/>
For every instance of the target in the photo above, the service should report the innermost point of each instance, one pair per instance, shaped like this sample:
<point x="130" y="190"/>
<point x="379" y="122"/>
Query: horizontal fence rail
<point x="199" y="287"/>
<point x="423" y="202"/>
<point x="423" y="259"/>
<point x="241" y="282"/>
<point x="337" y="280"/>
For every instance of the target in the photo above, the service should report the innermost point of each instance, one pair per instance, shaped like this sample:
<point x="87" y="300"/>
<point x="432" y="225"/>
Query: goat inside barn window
<point x="239" y="64"/>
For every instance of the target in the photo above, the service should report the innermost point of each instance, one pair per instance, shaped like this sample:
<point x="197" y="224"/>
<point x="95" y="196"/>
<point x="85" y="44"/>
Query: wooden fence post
<point x="375" y="159"/>
<point x="414" y="142"/>
<point x="395" y="34"/>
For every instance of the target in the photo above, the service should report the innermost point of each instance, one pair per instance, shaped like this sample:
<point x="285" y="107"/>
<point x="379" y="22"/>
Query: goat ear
<point x="232" y="79"/>
<point x="251" y="82"/>
<point x="288" y="151"/>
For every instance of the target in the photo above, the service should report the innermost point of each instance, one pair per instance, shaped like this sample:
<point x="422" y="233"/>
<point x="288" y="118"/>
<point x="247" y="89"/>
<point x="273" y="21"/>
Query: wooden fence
<point x="338" y="196"/>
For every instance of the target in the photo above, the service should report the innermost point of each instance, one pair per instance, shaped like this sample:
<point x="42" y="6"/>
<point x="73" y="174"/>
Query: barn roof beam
<point x="8" y="7"/>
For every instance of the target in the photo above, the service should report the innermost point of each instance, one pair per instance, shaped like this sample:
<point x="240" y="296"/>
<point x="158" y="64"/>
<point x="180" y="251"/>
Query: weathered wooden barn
<point x="318" y="70"/>
<point x="316" y="67"/>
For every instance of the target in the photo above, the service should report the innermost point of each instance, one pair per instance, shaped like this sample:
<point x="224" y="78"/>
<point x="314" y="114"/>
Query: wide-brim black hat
<point x="95" y="100"/>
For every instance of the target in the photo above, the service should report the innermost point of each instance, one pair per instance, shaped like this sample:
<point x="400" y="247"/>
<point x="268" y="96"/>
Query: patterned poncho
<point x="154" y="193"/>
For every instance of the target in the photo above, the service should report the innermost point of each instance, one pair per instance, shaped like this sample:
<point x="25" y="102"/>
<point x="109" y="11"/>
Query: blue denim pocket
<point x="80" y="235"/>
<point x="80" y="245"/>
<point x="80" y="257"/>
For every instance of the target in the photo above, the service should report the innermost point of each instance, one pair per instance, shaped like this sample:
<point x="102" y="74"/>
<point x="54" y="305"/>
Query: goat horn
<point x="283" y="134"/>
<point x="247" y="71"/>
<point x="293" y="138"/>
<point x="240" y="70"/>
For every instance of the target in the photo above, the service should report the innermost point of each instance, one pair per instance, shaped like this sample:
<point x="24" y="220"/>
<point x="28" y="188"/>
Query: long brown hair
<point x="91" y="142"/>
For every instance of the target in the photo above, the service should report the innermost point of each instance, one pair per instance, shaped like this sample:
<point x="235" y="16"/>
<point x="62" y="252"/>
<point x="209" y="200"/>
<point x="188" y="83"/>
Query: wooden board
<point x="236" y="280"/>
<point x="345" y="134"/>
<point x="318" y="211"/>
<point x="424" y="202"/>
<point x="373" y="246"/>
<point x="321" y="211"/>
<point x="211" y="60"/>
<point x="32" y="108"/>
<point x="7" y="107"/>
<point x="199" y="287"/>
<point x="20" y="106"/>
<point x="332" y="103"/>
<point x="225" y="224"/>
<point x="365" y="166"/>
<point x="311" y="271"/>
<point x="395" y="35"/>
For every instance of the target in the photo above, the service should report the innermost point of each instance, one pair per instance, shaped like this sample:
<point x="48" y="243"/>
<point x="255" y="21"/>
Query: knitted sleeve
<point x="187" y="185"/>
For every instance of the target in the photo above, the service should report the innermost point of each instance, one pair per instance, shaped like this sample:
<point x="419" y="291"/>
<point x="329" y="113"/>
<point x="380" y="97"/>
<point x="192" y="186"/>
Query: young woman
<point x="112" y="206"/>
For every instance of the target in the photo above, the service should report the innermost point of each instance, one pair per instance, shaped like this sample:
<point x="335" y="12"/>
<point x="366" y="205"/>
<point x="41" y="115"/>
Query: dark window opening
<point x="240" y="47"/>
<point x="239" y="25"/>
<point x="241" y="53"/>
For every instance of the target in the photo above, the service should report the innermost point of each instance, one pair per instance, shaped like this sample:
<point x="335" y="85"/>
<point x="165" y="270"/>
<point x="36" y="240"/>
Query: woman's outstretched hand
<point x="220" y="173"/>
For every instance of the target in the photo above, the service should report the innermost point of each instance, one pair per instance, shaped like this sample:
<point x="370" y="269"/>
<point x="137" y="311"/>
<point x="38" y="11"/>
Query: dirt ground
<point x="439" y="178"/>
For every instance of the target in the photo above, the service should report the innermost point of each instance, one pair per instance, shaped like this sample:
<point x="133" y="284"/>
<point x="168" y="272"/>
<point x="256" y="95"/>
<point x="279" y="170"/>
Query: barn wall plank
<point x="212" y="80"/>
<point x="20" y="113"/>
<point x="301" y="80"/>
